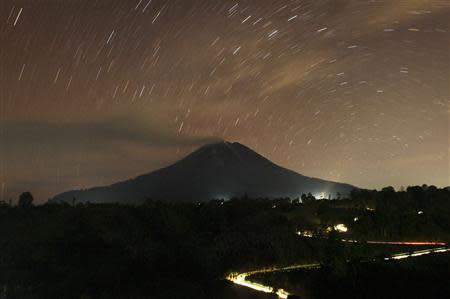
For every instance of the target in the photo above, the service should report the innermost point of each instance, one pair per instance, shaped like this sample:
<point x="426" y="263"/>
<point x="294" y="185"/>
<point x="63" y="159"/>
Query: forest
<point x="182" y="250"/>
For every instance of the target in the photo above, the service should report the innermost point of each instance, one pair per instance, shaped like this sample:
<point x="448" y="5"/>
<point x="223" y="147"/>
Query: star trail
<point x="92" y="92"/>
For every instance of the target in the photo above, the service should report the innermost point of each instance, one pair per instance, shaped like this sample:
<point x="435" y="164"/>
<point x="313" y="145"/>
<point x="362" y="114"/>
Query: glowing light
<point x="420" y="253"/>
<point x="349" y="241"/>
<point x="417" y="253"/>
<point x="406" y="243"/>
<point x="399" y="257"/>
<point x="282" y="294"/>
<point x="441" y="250"/>
<point x="305" y="233"/>
<point x="341" y="228"/>
<point x="320" y="195"/>
<point x="241" y="279"/>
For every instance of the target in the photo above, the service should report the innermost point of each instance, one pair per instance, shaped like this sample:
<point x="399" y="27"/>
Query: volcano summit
<point x="218" y="170"/>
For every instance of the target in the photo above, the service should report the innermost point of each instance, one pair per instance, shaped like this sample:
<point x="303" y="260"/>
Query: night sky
<point x="92" y="92"/>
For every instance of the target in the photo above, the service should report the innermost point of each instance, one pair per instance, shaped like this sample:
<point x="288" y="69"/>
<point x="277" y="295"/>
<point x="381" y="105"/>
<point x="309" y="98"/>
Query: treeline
<point x="421" y="212"/>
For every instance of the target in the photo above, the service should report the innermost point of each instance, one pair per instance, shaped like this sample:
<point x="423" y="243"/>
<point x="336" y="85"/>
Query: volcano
<point x="215" y="171"/>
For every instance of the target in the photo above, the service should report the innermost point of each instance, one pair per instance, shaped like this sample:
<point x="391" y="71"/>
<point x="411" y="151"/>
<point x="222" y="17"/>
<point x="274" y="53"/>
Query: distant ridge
<point x="218" y="170"/>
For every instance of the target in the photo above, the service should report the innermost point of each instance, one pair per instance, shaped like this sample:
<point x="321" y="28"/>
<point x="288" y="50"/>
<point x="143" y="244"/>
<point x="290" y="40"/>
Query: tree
<point x="388" y="189"/>
<point x="303" y="197"/>
<point x="25" y="200"/>
<point x="308" y="198"/>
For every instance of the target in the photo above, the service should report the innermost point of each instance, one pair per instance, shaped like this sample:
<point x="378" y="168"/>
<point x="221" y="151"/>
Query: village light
<point x="341" y="228"/>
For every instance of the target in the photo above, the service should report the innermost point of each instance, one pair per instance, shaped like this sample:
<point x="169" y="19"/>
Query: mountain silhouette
<point x="219" y="170"/>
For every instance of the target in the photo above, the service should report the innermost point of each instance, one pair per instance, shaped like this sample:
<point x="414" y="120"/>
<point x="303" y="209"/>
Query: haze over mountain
<point x="219" y="170"/>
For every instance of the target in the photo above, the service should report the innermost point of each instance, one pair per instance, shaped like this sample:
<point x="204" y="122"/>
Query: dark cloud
<point x="45" y="157"/>
<point x="23" y="135"/>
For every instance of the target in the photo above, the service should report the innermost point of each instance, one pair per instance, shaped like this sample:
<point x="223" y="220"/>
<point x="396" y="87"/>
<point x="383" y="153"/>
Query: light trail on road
<point x="400" y="256"/>
<point x="241" y="278"/>
<point x="415" y="243"/>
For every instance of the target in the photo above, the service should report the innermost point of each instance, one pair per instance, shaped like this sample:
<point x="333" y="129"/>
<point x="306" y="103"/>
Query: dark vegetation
<point x="422" y="212"/>
<point x="157" y="250"/>
<point x="419" y="278"/>
<point x="184" y="250"/>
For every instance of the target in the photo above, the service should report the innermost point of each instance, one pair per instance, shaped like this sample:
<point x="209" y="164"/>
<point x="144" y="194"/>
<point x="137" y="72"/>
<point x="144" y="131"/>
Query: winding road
<point x="241" y="278"/>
